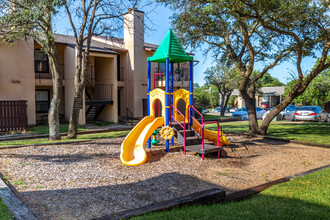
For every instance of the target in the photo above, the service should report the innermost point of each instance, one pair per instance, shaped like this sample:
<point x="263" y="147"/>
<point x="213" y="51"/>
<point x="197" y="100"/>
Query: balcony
<point x="98" y="97"/>
<point x="42" y="71"/>
<point x="180" y="78"/>
<point x="99" y="93"/>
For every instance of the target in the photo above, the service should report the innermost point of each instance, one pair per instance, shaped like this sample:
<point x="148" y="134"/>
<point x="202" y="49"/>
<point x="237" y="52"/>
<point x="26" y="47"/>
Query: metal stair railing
<point x="201" y="130"/>
<point x="183" y="125"/>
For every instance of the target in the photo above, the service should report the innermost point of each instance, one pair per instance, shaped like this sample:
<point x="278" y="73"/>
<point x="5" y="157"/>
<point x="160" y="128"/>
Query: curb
<point x="91" y="131"/>
<point x="211" y="197"/>
<point x="16" y="207"/>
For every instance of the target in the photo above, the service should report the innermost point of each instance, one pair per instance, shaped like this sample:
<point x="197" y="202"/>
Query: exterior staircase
<point x="93" y="111"/>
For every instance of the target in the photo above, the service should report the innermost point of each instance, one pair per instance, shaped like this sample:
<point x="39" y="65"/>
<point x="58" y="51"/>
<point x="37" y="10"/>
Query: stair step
<point x="208" y="148"/>
<point x="189" y="133"/>
<point x="193" y="140"/>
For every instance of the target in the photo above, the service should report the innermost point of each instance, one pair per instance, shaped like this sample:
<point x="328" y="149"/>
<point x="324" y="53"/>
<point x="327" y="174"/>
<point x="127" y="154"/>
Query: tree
<point x="268" y="81"/>
<point x="317" y="93"/>
<point x="27" y="19"/>
<point x="225" y="79"/>
<point x="203" y="96"/>
<point x="95" y="17"/>
<point x="249" y="31"/>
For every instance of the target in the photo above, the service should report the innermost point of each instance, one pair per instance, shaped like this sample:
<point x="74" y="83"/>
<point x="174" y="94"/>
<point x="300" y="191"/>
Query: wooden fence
<point x="13" y="115"/>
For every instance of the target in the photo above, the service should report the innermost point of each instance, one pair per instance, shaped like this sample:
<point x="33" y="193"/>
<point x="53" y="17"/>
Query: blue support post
<point x="172" y="75"/>
<point x="149" y="86"/>
<point x="167" y="99"/>
<point x="191" y="90"/>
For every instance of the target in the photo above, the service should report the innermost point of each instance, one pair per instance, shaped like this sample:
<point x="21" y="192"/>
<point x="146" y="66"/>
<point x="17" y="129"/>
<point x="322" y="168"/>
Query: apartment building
<point x="117" y="79"/>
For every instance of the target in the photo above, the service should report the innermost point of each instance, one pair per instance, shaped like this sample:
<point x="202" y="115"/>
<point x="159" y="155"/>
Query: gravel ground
<point x="87" y="181"/>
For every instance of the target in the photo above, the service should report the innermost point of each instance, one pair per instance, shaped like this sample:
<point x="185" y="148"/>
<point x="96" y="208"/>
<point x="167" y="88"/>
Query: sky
<point x="161" y="22"/>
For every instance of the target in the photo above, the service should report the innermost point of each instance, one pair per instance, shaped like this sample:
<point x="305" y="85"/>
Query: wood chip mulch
<point x="83" y="181"/>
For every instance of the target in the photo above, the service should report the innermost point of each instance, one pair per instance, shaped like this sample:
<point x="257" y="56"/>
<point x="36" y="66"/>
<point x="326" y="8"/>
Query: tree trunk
<point x="53" y="113"/>
<point x="74" y="118"/>
<point x="226" y="103"/>
<point x="222" y="102"/>
<point x="80" y="81"/>
<point x="250" y="103"/>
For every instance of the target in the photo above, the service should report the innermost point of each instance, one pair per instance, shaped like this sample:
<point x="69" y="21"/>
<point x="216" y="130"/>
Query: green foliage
<point x="202" y="95"/>
<point x="267" y="81"/>
<point x="223" y="77"/>
<point x="43" y="129"/>
<point x="232" y="99"/>
<point x="317" y="93"/>
<point x="304" y="197"/>
<point x="4" y="212"/>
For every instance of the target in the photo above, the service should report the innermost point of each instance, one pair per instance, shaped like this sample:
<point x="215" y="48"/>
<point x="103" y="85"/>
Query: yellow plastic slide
<point x="132" y="149"/>
<point x="212" y="135"/>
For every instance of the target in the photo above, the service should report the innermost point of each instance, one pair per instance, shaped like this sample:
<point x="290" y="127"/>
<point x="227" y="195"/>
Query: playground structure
<point x="189" y="131"/>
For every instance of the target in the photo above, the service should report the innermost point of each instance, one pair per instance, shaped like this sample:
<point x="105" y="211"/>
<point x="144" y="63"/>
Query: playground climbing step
<point x="208" y="148"/>
<point x="193" y="143"/>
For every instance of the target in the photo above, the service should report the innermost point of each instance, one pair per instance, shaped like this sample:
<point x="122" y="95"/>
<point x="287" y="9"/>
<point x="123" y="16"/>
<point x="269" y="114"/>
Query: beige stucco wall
<point x="69" y="71"/>
<point x="137" y="61"/>
<point x="17" y="63"/>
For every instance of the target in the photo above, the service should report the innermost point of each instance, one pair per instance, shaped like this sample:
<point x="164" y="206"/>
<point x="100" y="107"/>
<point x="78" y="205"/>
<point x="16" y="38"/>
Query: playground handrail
<point x="218" y="141"/>
<point x="201" y="130"/>
<point x="196" y="112"/>
<point x="182" y="126"/>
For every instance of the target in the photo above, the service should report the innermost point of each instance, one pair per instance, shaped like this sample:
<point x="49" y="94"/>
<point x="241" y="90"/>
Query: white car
<point x="286" y="114"/>
<point x="311" y="113"/>
<point x="205" y="111"/>
<point x="243" y="114"/>
<point x="216" y="110"/>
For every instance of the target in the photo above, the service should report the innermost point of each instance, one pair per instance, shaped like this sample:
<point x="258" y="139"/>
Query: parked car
<point x="205" y="111"/>
<point x="293" y="107"/>
<point x="243" y="114"/>
<point x="311" y="113"/>
<point x="286" y="114"/>
<point x="216" y="110"/>
<point x="233" y="110"/>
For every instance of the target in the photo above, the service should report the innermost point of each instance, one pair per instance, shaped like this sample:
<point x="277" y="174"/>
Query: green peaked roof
<point x="170" y="48"/>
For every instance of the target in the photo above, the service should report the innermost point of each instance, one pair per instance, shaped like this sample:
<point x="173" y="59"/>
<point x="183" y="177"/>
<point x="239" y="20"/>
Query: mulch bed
<point x="82" y="181"/>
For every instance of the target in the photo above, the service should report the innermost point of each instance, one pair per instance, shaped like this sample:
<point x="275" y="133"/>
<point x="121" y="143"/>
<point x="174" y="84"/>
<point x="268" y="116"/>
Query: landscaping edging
<point x="16" y="207"/>
<point x="211" y="196"/>
<point x="91" y="131"/>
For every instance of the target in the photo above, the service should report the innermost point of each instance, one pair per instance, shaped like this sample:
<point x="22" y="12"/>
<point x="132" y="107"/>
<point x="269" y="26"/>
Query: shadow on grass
<point x="257" y="207"/>
<point x="306" y="129"/>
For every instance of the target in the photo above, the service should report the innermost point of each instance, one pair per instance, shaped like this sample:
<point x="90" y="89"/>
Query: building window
<point x="161" y="67"/>
<point x="42" y="101"/>
<point x="41" y="64"/>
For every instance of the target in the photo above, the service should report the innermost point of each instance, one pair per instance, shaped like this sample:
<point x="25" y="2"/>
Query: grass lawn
<point x="206" y="116"/>
<point x="305" y="197"/>
<point x="4" y="212"/>
<point x="316" y="132"/>
<point x="80" y="138"/>
<point x="43" y="129"/>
